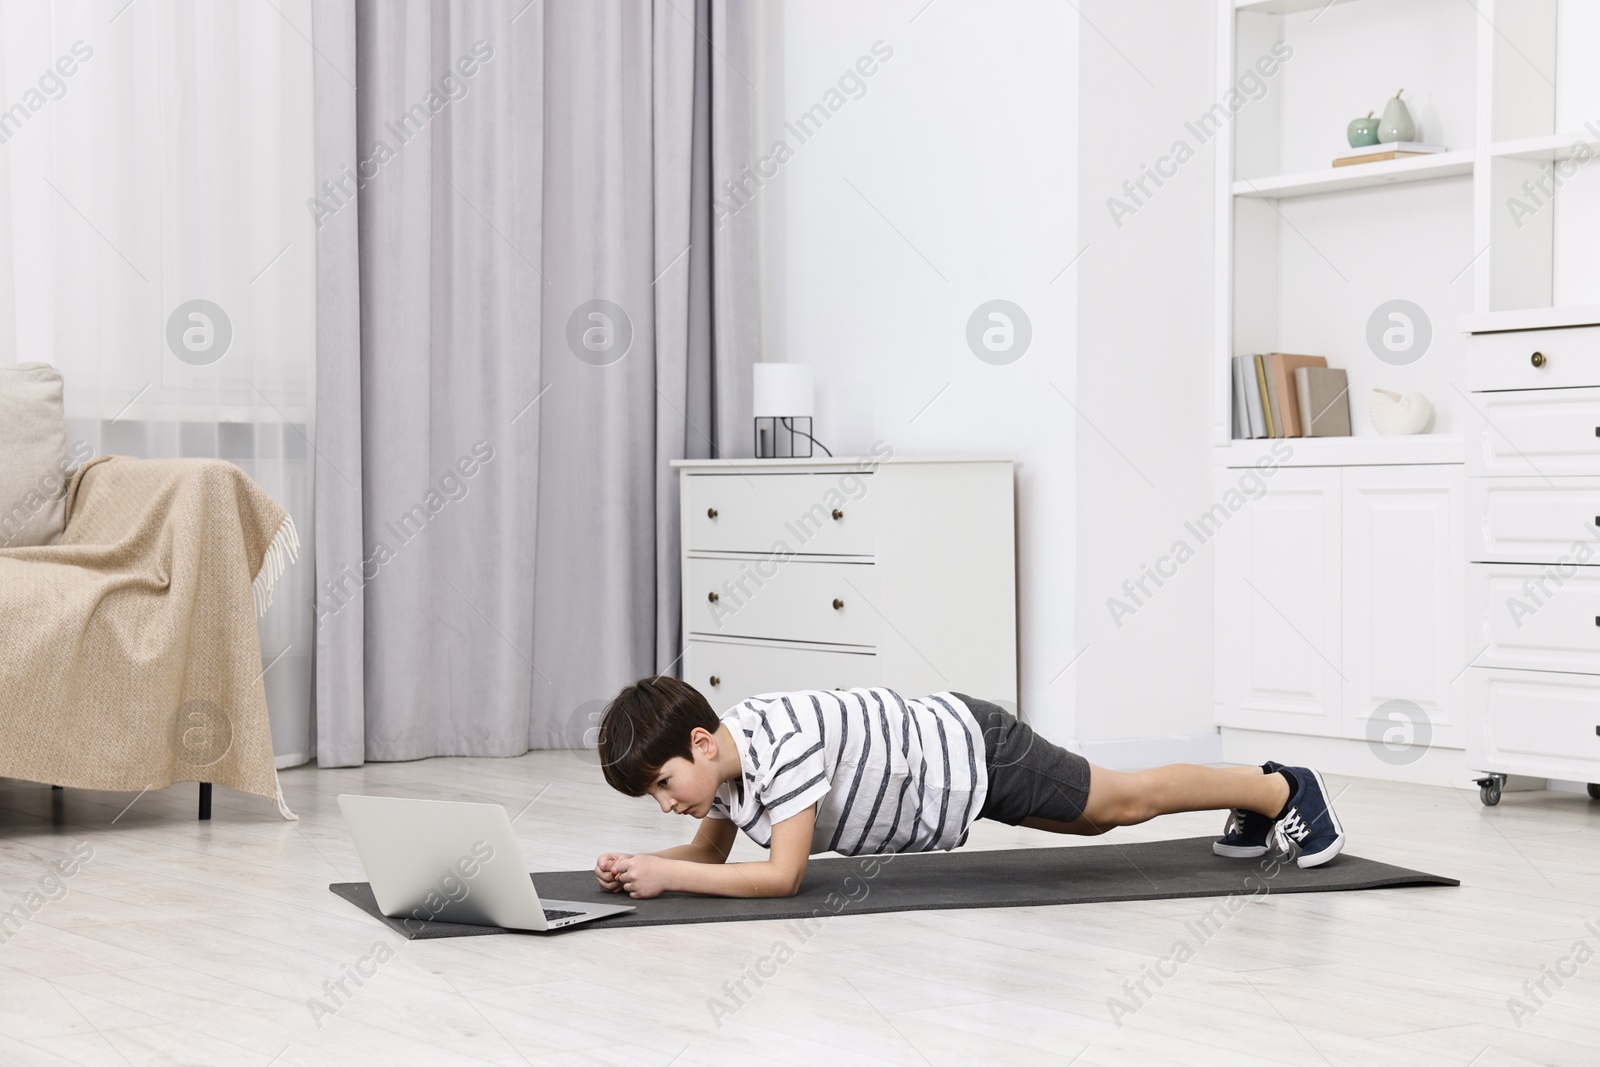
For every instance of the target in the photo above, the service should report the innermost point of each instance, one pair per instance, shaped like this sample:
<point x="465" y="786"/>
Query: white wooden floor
<point x="190" y="943"/>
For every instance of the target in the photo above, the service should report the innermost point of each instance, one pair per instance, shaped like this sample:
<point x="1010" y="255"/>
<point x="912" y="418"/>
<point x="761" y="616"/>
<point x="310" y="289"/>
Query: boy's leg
<point x="1041" y="785"/>
<point x="1126" y="798"/>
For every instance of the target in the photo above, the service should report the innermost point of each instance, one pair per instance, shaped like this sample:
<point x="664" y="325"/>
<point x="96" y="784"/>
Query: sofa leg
<point x="205" y="800"/>
<point x="55" y="787"/>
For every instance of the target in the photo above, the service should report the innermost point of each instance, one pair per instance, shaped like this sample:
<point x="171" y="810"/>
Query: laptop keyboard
<point x="557" y="913"/>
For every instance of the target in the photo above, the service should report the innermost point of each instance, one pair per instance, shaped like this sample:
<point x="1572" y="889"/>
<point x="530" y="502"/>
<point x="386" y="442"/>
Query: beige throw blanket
<point x="129" y="657"/>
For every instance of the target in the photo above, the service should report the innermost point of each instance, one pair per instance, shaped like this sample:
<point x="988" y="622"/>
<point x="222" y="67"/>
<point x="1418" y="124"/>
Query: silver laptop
<point x="445" y="861"/>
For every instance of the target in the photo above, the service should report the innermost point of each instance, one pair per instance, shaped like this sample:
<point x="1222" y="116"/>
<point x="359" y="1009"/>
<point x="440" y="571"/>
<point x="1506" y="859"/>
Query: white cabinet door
<point x="1278" y="577"/>
<point x="1403" y="602"/>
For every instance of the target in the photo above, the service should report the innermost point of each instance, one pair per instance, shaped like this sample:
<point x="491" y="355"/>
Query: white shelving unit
<point x="1311" y="250"/>
<point x="1343" y="592"/>
<point x="1338" y="576"/>
<point x="1307" y="252"/>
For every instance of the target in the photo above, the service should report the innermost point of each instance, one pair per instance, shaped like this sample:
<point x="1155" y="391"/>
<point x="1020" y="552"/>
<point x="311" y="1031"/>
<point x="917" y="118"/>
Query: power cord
<point x="788" y="424"/>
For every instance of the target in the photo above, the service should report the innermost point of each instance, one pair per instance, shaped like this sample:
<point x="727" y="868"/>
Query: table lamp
<point x="784" y="406"/>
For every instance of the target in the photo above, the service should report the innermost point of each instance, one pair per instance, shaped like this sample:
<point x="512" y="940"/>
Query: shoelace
<point x="1295" y="827"/>
<point x="1235" y="823"/>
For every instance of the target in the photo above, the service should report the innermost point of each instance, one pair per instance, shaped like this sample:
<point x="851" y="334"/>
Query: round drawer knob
<point x="837" y="514"/>
<point x="1537" y="359"/>
<point x="711" y="513"/>
<point x="713" y="597"/>
<point x="715" y="681"/>
<point x="837" y="603"/>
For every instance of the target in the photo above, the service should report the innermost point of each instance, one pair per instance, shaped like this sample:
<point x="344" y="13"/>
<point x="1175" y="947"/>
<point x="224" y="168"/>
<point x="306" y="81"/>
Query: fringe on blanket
<point x="283" y="807"/>
<point x="276" y="560"/>
<point x="284" y="550"/>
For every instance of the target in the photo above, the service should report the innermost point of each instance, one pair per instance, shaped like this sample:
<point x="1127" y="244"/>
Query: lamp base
<point x="783" y="437"/>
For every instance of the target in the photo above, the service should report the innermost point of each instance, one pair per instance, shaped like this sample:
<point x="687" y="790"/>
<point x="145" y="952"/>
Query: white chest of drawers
<point x="1533" y="558"/>
<point x="834" y="573"/>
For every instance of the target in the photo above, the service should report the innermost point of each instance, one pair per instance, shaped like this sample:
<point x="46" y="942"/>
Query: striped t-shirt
<point x="893" y="774"/>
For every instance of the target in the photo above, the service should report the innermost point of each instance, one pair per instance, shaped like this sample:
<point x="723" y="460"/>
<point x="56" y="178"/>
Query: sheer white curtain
<point x="156" y="160"/>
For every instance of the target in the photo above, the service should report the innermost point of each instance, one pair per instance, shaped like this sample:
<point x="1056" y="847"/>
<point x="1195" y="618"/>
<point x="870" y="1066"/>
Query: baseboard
<point x="1131" y="753"/>
<point x="1344" y="756"/>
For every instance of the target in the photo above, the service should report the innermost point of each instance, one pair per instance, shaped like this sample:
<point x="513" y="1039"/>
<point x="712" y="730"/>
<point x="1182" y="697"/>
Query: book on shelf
<point x="1249" y="399"/>
<point x="1265" y="397"/>
<point x="1324" y="396"/>
<point x="1271" y="385"/>
<point x="1234" y="407"/>
<point x="1378" y="153"/>
<point x="1244" y="424"/>
<point x="1281" y="367"/>
<point x="1260" y="388"/>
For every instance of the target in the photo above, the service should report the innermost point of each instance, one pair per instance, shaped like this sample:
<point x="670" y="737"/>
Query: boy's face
<point x="687" y="787"/>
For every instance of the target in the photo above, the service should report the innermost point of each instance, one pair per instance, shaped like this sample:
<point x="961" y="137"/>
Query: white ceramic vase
<point x="1394" y="413"/>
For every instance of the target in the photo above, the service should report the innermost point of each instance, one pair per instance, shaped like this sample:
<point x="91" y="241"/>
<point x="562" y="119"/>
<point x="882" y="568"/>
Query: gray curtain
<point x="525" y="312"/>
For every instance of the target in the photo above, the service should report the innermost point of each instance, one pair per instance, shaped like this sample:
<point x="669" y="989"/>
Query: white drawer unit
<point x="1533" y="563"/>
<point x="833" y="573"/>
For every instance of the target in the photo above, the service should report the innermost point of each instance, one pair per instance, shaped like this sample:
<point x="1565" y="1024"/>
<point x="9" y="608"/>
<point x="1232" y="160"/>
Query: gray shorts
<point x="1027" y="774"/>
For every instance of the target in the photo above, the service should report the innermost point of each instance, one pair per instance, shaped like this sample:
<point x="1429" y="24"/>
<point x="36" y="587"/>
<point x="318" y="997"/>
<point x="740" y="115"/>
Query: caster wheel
<point x="1489" y="793"/>
<point x="1594" y="791"/>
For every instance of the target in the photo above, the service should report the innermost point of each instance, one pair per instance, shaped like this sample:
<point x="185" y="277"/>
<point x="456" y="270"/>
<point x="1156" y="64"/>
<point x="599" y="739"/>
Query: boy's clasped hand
<point x="640" y="876"/>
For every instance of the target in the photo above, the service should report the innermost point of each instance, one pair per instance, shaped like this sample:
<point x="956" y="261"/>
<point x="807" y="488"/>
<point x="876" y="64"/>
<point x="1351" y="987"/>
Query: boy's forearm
<point x="690" y="853"/>
<point x="762" y="878"/>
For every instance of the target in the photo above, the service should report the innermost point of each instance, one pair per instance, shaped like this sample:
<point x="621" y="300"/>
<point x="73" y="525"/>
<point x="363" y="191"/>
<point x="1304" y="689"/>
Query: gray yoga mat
<point x="924" y="881"/>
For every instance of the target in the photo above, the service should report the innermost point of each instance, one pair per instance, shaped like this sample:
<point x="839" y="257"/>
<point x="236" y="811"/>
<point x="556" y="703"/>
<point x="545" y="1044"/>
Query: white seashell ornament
<point x="1396" y="413"/>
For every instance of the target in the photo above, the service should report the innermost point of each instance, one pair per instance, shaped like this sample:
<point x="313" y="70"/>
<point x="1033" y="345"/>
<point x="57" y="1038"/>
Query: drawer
<point x="728" y="672"/>
<point x="1569" y="357"/>
<point x="1534" y="432"/>
<point x="793" y="601"/>
<point x="820" y="513"/>
<point x="1533" y="520"/>
<point x="1537" y="723"/>
<point x="1534" y="617"/>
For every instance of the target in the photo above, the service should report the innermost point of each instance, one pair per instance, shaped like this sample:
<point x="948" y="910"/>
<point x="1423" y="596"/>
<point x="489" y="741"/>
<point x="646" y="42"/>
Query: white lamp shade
<point x="783" y="390"/>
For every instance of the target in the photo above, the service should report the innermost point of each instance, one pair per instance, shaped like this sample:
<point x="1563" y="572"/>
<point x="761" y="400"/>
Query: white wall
<point x="978" y="166"/>
<point x="1144" y="339"/>
<point x="948" y="183"/>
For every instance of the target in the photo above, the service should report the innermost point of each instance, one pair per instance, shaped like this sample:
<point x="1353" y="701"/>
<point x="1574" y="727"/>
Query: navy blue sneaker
<point x="1308" y="828"/>
<point x="1247" y="832"/>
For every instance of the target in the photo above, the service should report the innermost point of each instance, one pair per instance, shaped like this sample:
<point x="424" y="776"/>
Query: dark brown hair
<point x="647" y="724"/>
